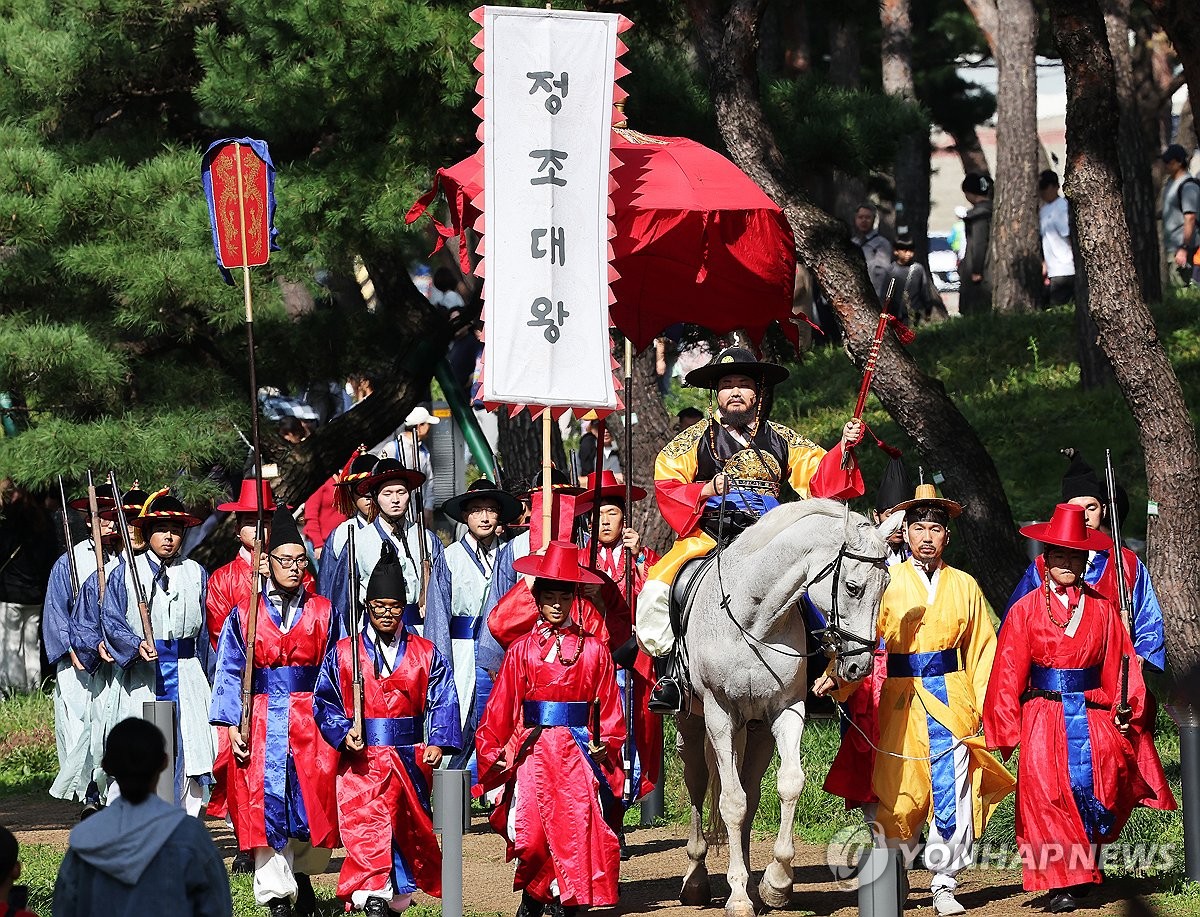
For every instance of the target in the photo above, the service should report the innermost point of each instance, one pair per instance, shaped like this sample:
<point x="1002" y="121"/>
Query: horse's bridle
<point x="835" y="638"/>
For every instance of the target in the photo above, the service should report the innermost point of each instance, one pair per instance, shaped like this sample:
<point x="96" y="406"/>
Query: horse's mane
<point x="759" y="535"/>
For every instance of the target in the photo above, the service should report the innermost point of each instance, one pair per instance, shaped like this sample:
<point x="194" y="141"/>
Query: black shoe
<point x="665" y="697"/>
<point x="530" y="906"/>
<point x="376" y="907"/>
<point x="306" y="898"/>
<point x="280" y="907"/>
<point x="623" y="846"/>
<point x="243" y="863"/>
<point x="558" y="909"/>
<point x="1061" y="902"/>
<point x="91" y="801"/>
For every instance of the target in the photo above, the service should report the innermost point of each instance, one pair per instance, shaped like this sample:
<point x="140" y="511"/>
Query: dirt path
<point x="650" y="878"/>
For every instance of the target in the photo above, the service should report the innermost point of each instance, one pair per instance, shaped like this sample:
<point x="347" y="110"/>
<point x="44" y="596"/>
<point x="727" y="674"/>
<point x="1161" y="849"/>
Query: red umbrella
<point x="697" y="241"/>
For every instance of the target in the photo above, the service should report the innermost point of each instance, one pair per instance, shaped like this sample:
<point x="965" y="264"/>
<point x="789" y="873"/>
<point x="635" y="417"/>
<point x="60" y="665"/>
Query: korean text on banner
<point x="548" y="94"/>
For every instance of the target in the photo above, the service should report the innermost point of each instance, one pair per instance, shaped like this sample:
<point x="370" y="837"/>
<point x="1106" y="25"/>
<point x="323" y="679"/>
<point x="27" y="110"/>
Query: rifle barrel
<point x="130" y="562"/>
<point x="71" y="565"/>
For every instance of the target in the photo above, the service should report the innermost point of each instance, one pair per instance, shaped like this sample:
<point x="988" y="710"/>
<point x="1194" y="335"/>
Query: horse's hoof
<point x="739" y="909"/>
<point x="773" y="897"/>
<point x="697" y="892"/>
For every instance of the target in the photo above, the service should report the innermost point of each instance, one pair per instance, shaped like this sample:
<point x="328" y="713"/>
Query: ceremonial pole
<point x="547" y="493"/>
<point x="239" y="186"/>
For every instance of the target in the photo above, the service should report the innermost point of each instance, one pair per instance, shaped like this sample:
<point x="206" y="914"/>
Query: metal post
<point x="1187" y="717"/>
<point x="653" y="805"/>
<point x="880" y="883"/>
<point x="162" y="714"/>
<point x="451" y="819"/>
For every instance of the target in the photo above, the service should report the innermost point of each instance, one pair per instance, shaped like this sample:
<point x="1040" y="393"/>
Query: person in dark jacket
<point x="27" y="553"/>
<point x="975" y="294"/>
<point x="140" y="854"/>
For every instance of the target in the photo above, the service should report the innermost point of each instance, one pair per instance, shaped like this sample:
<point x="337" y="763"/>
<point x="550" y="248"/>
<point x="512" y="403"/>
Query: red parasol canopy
<point x="697" y="241"/>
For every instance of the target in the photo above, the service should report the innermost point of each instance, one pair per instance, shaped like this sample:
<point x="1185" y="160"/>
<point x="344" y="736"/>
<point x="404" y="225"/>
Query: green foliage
<point x="816" y="124"/>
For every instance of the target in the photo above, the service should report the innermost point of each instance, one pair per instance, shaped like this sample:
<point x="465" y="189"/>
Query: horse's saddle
<point x="684" y="587"/>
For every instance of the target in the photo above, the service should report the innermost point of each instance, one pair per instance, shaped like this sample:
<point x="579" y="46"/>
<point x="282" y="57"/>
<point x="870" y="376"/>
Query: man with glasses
<point x="281" y="791"/>
<point x="453" y="616"/>
<point x="410" y="719"/>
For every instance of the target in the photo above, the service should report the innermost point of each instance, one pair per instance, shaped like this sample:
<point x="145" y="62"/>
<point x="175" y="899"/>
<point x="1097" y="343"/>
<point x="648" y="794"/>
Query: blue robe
<point x="1148" y="639"/>
<point x="333" y="559"/>
<point x="488" y="653"/>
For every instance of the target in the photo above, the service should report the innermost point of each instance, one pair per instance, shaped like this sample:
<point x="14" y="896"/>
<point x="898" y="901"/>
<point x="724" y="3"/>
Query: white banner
<point x="548" y="97"/>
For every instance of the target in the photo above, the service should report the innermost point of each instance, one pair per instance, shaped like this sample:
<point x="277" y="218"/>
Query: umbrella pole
<point x="547" y="505"/>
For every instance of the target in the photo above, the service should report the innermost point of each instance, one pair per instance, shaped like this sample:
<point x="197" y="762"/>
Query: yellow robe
<point x="957" y="619"/>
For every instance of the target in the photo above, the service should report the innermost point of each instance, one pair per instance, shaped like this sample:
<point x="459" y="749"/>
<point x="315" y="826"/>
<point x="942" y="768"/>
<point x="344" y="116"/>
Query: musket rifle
<point x="418" y="501"/>
<point x="1123" y="711"/>
<point x="97" y="545"/>
<point x="130" y="563"/>
<point x="356" y="675"/>
<point x="252" y="592"/>
<point x="66" y="523"/>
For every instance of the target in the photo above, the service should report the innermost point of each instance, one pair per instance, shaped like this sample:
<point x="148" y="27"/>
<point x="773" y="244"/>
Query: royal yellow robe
<point x="957" y="619"/>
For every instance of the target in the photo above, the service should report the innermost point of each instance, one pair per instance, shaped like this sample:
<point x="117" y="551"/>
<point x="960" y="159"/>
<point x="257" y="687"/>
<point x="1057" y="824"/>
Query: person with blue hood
<point x="141" y="854"/>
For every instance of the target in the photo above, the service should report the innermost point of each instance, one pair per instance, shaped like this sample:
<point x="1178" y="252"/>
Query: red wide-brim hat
<point x="1067" y="529"/>
<point x="609" y="488"/>
<point x="104" y="500"/>
<point x="562" y="561"/>
<point x="246" y="503"/>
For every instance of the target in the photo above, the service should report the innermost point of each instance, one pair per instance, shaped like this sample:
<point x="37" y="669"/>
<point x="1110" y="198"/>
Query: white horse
<point x="745" y="651"/>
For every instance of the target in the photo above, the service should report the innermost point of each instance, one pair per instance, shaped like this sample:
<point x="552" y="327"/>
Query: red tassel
<point x="904" y="334"/>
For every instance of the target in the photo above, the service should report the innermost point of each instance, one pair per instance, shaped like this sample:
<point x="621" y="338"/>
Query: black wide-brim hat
<point x="736" y="361"/>
<point x="385" y="471"/>
<point x="161" y="506"/>
<point x="483" y="489"/>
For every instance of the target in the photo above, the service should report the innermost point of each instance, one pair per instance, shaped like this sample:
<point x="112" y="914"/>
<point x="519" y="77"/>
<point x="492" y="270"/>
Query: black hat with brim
<point x="387" y="470"/>
<point x="162" y="507"/>
<point x="736" y="361"/>
<point x="483" y="489"/>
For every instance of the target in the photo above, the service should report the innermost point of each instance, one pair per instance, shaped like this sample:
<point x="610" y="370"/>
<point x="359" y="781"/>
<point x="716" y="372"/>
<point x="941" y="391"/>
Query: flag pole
<point x="256" y="445"/>
<point x="547" y="504"/>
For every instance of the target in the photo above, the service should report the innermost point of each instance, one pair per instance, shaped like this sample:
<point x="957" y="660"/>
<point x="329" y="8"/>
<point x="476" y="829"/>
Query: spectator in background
<point x="292" y="430"/>
<point x="687" y="417"/>
<point x="12" y="896"/>
<point x="875" y="248"/>
<point x="1058" y="260"/>
<point x="1180" y="204"/>
<point x="27" y="553"/>
<point x="359" y="385"/>
<point x="975" y="270"/>
<point x="140" y="854"/>
<point x="587" y="451"/>
<point x="445" y="289"/>
<point x="915" y="298"/>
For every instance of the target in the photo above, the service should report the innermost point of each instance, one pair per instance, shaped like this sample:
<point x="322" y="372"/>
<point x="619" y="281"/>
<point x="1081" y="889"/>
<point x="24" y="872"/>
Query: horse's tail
<point x="715" y="831"/>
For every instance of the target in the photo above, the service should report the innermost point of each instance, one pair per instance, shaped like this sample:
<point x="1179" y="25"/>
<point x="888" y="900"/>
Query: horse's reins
<point x="829" y="647"/>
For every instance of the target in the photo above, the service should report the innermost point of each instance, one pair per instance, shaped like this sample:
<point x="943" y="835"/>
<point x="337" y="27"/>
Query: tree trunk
<point x="970" y="152"/>
<point x="1140" y="201"/>
<point x="1094" y="368"/>
<point x="422" y="334"/>
<point x="521" y="447"/>
<point x="987" y="17"/>
<point x="1127" y="333"/>
<point x="912" y="155"/>
<point x="1180" y="22"/>
<point x="845" y="57"/>
<point x="918" y="403"/>
<point x="653" y="430"/>
<point x="1016" y="251"/>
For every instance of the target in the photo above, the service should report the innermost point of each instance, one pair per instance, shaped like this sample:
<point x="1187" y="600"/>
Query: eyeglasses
<point x="386" y="611"/>
<point x="288" y="562"/>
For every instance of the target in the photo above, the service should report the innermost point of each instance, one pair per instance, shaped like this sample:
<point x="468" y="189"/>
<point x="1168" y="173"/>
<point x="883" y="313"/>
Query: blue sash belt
<point x="166" y="675"/>
<point x="932" y="669"/>
<point x="290" y="679"/>
<point x="922" y="665"/>
<point x="556" y="713"/>
<point x="464" y="627"/>
<point x="393" y="732"/>
<point x="1071" y="684"/>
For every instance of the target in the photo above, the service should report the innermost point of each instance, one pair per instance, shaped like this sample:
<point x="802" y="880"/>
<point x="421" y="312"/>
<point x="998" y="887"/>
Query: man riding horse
<point x="739" y="458"/>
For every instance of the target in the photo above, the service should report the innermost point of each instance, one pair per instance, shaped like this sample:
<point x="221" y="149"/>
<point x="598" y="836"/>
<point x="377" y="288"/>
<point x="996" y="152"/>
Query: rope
<point x="842" y="715"/>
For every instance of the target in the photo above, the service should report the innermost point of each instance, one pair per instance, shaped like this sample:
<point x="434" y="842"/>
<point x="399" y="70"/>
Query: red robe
<point x="321" y="517"/>
<point x="289" y="761"/>
<point x="850" y="773"/>
<point x="1053" y="843"/>
<point x="552" y="785"/>
<point x="228" y="588"/>
<point x="647" y="726"/>
<point x="383" y="791"/>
